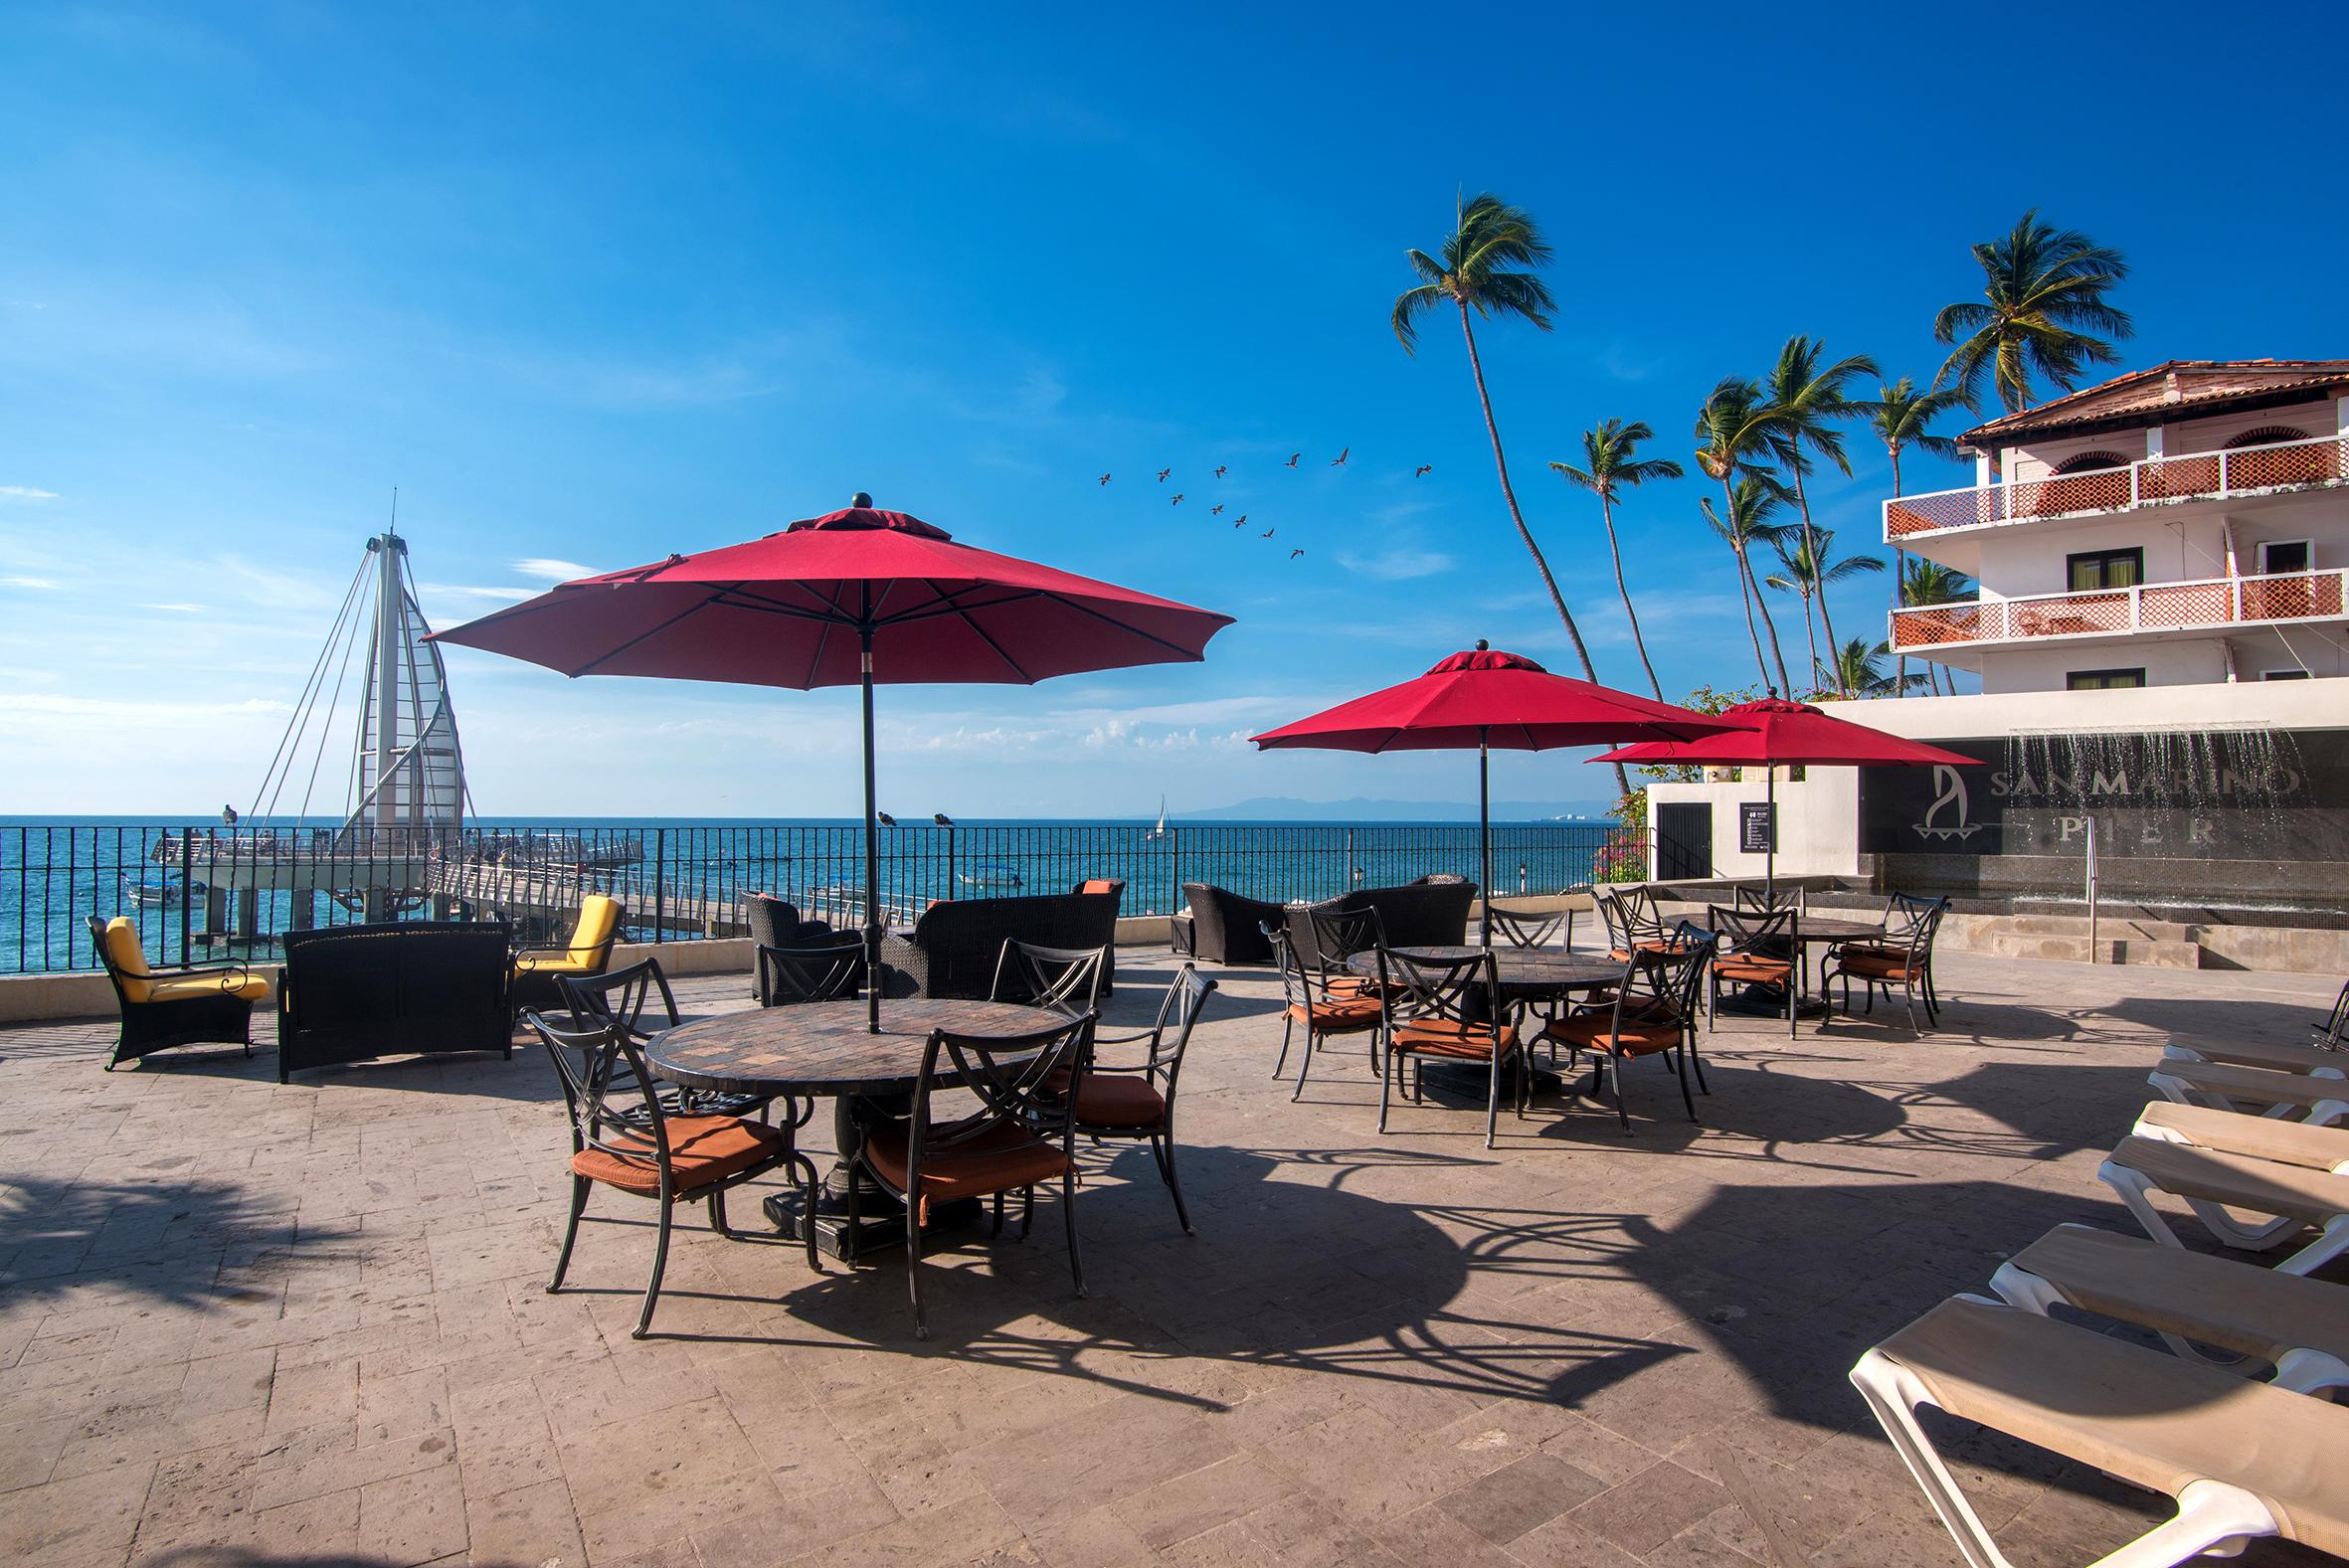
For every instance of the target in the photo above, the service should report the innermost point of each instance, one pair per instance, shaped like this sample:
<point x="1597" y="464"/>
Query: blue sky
<point x="589" y="284"/>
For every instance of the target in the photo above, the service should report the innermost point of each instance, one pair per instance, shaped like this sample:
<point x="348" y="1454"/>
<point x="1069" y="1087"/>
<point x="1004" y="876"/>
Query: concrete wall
<point x="1817" y="820"/>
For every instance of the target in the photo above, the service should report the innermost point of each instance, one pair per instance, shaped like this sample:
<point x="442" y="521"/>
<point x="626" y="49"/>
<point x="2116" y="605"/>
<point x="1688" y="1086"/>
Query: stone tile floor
<point x="248" y="1324"/>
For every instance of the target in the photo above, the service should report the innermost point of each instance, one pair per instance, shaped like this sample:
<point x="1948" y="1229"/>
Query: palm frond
<point x="1407" y="307"/>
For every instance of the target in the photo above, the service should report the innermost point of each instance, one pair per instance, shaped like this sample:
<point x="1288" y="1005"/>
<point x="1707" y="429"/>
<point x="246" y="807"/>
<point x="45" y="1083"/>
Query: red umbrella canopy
<point x="1774" y="732"/>
<point x="1487" y="697"/>
<point x="788" y="611"/>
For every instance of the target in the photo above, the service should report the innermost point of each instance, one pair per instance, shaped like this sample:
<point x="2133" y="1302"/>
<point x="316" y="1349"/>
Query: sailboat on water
<point x="1159" y="831"/>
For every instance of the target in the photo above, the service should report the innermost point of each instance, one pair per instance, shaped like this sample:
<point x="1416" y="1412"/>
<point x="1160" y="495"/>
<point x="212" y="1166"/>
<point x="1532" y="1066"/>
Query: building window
<point x="2099" y="570"/>
<point x="2104" y="680"/>
<point x="2088" y="462"/>
<point x="2284" y="555"/>
<point x="2283" y="674"/>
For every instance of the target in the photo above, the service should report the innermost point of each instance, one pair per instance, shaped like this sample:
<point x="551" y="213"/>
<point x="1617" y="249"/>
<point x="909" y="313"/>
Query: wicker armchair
<point x="539" y="971"/>
<point x="954" y="946"/>
<point x="180" y="1006"/>
<point x="1225" y="926"/>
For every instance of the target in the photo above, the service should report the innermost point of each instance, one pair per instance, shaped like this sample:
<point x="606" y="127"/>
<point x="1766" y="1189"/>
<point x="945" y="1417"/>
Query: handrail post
<point x="661" y="883"/>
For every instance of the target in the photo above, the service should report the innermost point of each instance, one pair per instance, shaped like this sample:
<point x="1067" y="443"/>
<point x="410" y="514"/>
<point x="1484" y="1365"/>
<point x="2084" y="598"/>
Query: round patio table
<point x="1526" y="975"/>
<point x="825" y="1048"/>
<point x="1827" y="930"/>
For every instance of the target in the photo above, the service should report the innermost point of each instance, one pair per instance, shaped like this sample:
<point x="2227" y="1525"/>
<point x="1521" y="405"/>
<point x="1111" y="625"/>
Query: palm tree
<point x="1903" y="416"/>
<point x="1733" y="431"/>
<point x="1857" y="670"/>
<point x="1485" y="269"/>
<point x="1607" y="453"/>
<point x="1743" y="525"/>
<point x="2041" y="305"/>
<point x="1930" y="583"/>
<point x="1810" y="399"/>
<point x="1809" y="569"/>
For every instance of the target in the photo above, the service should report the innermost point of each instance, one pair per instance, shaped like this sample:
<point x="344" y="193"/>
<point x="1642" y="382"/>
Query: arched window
<point x="2267" y="435"/>
<point x="2092" y="459"/>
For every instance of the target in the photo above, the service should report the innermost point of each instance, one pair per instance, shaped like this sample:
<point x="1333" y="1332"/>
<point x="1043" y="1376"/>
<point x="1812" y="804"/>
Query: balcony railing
<point x="2151" y="607"/>
<point x="2244" y="470"/>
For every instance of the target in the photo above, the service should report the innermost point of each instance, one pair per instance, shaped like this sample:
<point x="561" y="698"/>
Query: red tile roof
<point x="2203" y="386"/>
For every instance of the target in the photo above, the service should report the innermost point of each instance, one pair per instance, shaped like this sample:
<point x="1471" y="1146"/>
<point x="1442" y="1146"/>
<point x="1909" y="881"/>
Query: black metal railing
<point x="204" y="893"/>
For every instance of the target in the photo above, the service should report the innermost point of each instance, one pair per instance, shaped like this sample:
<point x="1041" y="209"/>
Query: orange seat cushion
<point x="1451" y="1037"/>
<point x="702" y="1150"/>
<point x="1763" y="971"/>
<point x="1120" y="1100"/>
<point x="1097" y="885"/>
<point x="1002" y="1160"/>
<point x="1877" y="968"/>
<point x="1597" y="1032"/>
<point x="1338" y="1014"/>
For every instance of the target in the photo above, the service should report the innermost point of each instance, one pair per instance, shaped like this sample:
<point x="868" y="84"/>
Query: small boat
<point x="1159" y="831"/>
<point x="992" y="873"/>
<point x="171" y="889"/>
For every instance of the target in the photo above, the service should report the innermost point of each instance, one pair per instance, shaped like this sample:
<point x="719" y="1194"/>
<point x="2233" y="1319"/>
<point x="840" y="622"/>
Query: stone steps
<point x="2148" y="951"/>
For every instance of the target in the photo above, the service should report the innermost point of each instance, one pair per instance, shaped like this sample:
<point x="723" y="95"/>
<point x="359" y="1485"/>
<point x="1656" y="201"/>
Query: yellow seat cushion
<point x="245" y="988"/>
<point x="591" y="939"/>
<point x="127" y="959"/>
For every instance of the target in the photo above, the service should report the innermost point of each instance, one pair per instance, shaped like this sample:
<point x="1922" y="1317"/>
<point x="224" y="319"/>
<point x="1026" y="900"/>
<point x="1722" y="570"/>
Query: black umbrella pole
<point x="872" y="855"/>
<point x="1484" y="819"/>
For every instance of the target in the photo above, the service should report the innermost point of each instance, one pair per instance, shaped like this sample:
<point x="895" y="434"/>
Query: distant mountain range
<point x="1281" y="808"/>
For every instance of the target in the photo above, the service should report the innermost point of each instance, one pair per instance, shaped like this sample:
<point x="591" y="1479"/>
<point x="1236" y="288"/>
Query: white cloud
<point x="25" y="493"/>
<point x="180" y="609"/>
<point x="548" y="569"/>
<point x="48" y="584"/>
<point x="463" y="591"/>
<point x="1398" y="564"/>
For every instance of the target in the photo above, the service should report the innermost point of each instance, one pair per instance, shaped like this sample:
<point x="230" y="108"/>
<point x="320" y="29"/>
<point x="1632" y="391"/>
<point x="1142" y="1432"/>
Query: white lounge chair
<point x="2233" y="1133"/>
<point x="2320" y="1097"/>
<point x="2277" y="1057"/>
<point x="2298" y="1327"/>
<point x="2243" y="1458"/>
<point x="2289" y="1199"/>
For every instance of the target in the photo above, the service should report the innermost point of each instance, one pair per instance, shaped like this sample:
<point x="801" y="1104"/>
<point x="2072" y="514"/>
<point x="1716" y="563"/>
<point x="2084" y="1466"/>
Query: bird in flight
<point x="1217" y="510"/>
<point x="1243" y="521"/>
<point x="1219" y="467"/>
<point x="1423" y="470"/>
<point x="1105" y="478"/>
<point x="1163" y="472"/>
<point x="1268" y="532"/>
<point x="1339" y="461"/>
<point x="1177" y="497"/>
<point x="1292" y="456"/>
<point x="1294" y="554"/>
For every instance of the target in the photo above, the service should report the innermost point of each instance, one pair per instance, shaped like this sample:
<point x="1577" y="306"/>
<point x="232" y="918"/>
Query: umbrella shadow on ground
<point x="200" y="1244"/>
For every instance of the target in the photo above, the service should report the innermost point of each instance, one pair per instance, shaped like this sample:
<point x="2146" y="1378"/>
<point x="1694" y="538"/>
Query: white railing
<point x="2244" y="470"/>
<point x="2149" y="606"/>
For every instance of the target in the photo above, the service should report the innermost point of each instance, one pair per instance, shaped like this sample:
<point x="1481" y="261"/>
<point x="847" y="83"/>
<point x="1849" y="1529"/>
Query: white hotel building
<point x="2161" y="631"/>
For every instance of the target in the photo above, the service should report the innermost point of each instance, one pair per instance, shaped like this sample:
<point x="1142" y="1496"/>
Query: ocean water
<point x="259" y="879"/>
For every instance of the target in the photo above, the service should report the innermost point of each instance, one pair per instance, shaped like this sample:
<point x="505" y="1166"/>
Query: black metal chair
<point x="1652" y="1013"/>
<point x="1633" y="922"/>
<point x="1136" y="1101"/>
<point x="624" y="1137"/>
<point x="1760" y="950"/>
<point x="1065" y="979"/>
<point x="2329" y="1034"/>
<point x="1337" y="936"/>
<point x="1523" y="929"/>
<point x="1022" y="1135"/>
<point x="1450" y="1009"/>
<point x="829" y="970"/>
<point x="1761" y="900"/>
<point x="1323" y="1016"/>
<point x="619" y="998"/>
<point x="173" y="1006"/>
<point x="1906" y="960"/>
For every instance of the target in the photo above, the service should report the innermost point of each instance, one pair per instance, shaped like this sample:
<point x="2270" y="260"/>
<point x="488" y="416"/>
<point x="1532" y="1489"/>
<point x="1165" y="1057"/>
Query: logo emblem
<point x="1953" y="794"/>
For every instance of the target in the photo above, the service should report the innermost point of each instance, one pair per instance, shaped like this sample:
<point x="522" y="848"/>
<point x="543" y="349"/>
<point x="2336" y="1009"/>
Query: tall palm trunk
<point x="1476" y="367"/>
<point x="1607" y="511"/>
<point x="1746" y="568"/>
<point x="1745" y="597"/>
<point x="1819" y="674"/>
<point x="1802" y="504"/>
<point x="1900" y="577"/>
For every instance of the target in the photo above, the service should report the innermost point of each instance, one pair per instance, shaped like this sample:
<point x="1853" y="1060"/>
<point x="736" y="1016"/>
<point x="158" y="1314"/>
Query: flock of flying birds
<point x="1339" y="461"/>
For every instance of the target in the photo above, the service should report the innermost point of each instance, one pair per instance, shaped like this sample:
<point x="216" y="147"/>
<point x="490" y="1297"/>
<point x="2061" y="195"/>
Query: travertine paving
<point x="248" y="1324"/>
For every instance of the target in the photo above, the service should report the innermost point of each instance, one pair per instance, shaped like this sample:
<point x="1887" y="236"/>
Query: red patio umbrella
<point x="856" y="598"/>
<point x="1489" y="699"/>
<point x="1776" y="732"/>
